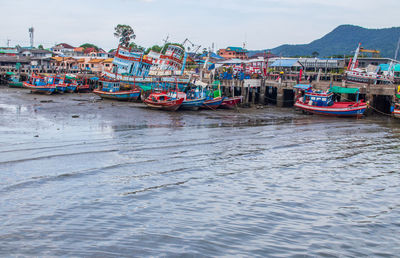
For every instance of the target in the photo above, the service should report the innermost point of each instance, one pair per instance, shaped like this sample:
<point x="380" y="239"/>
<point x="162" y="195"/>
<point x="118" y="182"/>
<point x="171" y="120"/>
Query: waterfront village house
<point x="233" y="52"/>
<point x="107" y="64"/>
<point x="8" y="51"/>
<point x="63" y="49"/>
<point x="78" y="51"/>
<point x="14" y="63"/>
<point x="65" y="64"/>
<point x="95" y="65"/>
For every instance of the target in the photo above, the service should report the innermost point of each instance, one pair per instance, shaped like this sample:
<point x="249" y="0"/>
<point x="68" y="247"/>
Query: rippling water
<point x="122" y="180"/>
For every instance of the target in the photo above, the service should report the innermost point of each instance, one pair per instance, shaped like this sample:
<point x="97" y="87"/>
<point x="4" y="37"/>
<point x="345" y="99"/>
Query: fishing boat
<point x="82" y="86"/>
<point x="396" y="106"/>
<point x="163" y="101"/>
<point x="193" y="99"/>
<point x="61" y="84"/>
<point x="41" y="84"/>
<point x="396" y="110"/>
<point x="231" y="102"/>
<point x="14" y="81"/>
<point x="320" y="102"/>
<point x="213" y="97"/>
<point x="111" y="89"/>
<point x="356" y="74"/>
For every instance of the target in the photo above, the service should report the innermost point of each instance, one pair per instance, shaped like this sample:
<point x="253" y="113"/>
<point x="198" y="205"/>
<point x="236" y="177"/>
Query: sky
<point x="260" y="24"/>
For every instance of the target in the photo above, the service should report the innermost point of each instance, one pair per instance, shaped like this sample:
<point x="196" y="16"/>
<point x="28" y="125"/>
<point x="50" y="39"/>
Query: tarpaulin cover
<point x="338" y="89"/>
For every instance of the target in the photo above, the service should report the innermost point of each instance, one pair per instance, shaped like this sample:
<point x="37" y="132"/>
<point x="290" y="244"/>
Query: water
<point x="122" y="180"/>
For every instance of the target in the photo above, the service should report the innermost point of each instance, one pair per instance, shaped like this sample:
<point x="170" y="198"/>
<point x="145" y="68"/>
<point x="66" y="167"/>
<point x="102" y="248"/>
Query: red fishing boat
<point x="231" y="102"/>
<point x="322" y="103"/>
<point x="396" y="111"/>
<point x="163" y="101"/>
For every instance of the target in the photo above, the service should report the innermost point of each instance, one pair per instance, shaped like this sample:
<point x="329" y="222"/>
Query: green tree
<point x="125" y="33"/>
<point x="40" y="47"/>
<point x="155" y="48"/>
<point x="89" y="45"/>
<point x="135" y="46"/>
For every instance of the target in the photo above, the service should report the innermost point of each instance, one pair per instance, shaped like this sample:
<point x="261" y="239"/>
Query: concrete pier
<point x="282" y="93"/>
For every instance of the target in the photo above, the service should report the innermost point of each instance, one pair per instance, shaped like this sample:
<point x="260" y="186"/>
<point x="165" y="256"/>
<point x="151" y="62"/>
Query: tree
<point x="315" y="54"/>
<point x="125" y="33"/>
<point x="155" y="48"/>
<point x="40" y="47"/>
<point x="135" y="46"/>
<point x="89" y="45"/>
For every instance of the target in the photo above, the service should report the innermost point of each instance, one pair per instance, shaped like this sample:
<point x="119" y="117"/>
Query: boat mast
<point x="397" y="49"/>
<point x="354" y="62"/>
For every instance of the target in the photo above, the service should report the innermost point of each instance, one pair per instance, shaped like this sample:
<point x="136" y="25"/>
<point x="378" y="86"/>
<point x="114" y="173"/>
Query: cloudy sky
<point x="259" y="23"/>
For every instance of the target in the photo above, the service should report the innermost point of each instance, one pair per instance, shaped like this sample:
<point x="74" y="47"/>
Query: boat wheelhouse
<point x="131" y="62"/>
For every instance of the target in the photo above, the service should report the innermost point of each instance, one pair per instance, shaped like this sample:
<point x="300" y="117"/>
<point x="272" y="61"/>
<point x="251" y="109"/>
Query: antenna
<point x="31" y="35"/>
<point x="166" y="39"/>
<point x="397" y="49"/>
<point x="8" y="42"/>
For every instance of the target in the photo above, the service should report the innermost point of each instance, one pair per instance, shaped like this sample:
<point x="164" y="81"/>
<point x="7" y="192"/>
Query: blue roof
<point x="236" y="49"/>
<point x="284" y="63"/>
<point x="212" y="55"/>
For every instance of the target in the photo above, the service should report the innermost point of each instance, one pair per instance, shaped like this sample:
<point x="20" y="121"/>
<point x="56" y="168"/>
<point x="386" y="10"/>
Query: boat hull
<point x="15" y="85"/>
<point x="212" y="103"/>
<point x="83" y="88"/>
<point x="345" y="109"/>
<point x="71" y="88"/>
<point x="40" y="89"/>
<point x="61" y="88"/>
<point x="192" y="104"/>
<point x="171" y="105"/>
<point x="396" y="113"/>
<point x="131" y="95"/>
<point x="230" y="103"/>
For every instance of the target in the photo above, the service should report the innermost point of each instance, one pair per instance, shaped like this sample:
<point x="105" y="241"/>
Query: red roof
<point x="64" y="45"/>
<point x="89" y="50"/>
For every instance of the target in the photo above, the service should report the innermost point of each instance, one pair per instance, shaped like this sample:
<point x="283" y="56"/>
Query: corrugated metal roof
<point x="286" y="63"/>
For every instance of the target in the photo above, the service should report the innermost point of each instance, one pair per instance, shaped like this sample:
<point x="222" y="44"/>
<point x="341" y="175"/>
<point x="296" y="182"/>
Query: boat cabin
<point x="319" y="98"/>
<point x="110" y="85"/>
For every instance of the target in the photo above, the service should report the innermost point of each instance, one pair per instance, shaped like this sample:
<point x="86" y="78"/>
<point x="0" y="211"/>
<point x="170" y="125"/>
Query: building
<point x="326" y="65"/>
<point x="8" y="51"/>
<point x="233" y="52"/>
<point x="63" y="49"/>
<point x="35" y="53"/>
<point x="14" y="64"/>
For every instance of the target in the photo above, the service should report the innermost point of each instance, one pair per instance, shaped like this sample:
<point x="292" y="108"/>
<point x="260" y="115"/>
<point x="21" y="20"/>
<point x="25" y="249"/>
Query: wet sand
<point x="83" y="177"/>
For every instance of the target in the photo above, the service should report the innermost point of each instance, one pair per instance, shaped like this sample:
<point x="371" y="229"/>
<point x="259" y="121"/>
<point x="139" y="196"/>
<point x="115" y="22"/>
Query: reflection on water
<point x="119" y="181"/>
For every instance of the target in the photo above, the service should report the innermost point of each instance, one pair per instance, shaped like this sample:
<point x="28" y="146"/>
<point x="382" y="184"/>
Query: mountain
<point x="344" y="40"/>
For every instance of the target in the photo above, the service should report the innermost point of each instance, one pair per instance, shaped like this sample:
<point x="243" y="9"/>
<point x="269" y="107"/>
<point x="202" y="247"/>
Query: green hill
<point x="344" y="40"/>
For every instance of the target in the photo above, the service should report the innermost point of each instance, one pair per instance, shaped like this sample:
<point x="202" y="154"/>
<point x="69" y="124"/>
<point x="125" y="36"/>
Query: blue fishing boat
<point x="111" y="89"/>
<point x="40" y="84"/>
<point x="213" y="97"/>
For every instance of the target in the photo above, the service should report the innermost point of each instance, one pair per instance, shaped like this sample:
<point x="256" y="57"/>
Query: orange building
<point x="233" y="52"/>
